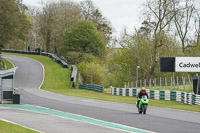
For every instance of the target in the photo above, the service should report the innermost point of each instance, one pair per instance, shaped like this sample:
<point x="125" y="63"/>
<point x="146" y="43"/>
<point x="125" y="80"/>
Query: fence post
<point x="190" y="82"/>
<point x="183" y="78"/>
<point x="150" y="82"/>
<point x="171" y="82"/>
<point x="182" y="81"/>
<point x="160" y="81"/>
<point x="136" y="84"/>
<point x="165" y="81"/>
<point x="189" y="79"/>
<point x="177" y="81"/>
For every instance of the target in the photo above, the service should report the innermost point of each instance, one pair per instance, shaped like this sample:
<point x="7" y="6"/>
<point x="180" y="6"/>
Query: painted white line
<point x="43" y="76"/>
<point x="21" y="125"/>
<point x="43" y="69"/>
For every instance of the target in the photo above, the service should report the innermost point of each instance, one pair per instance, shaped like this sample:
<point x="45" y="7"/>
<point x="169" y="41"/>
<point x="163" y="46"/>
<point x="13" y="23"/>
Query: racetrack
<point x="28" y="79"/>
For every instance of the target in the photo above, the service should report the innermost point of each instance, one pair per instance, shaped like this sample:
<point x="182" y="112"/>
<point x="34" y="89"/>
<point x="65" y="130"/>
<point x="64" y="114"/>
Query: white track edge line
<point x="43" y="73"/>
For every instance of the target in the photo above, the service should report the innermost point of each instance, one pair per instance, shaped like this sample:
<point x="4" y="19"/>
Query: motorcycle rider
<point x="140" y="94"/>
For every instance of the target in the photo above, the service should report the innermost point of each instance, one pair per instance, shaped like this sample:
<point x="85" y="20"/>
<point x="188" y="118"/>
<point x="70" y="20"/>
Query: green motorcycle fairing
<point x="143" y="101"/>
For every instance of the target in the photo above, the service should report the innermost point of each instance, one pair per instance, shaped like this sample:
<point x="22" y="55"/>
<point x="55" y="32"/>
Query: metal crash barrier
<point x="73" y="75"/>
<point x="52" y="56"/>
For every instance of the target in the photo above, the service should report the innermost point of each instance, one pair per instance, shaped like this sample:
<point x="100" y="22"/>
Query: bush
<point x="92" y="73"/>
<point x="74" y="57"/>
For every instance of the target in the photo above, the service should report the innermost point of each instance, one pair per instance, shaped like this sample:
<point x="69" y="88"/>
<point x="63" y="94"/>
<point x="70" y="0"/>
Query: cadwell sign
<point x="187" y="64"/>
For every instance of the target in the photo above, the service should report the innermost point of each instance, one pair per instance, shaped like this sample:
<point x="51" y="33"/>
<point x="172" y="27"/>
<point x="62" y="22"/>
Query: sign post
<point x="197" y="92"/>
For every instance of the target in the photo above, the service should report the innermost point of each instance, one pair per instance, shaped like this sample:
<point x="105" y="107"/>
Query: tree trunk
<point x="48" y="40"/>
<point x="55" y="46"/>
<point x="154" y="62"/>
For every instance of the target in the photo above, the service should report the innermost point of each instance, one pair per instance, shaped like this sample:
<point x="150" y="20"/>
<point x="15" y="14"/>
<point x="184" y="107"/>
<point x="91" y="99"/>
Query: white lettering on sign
<point x="187" y="64"/>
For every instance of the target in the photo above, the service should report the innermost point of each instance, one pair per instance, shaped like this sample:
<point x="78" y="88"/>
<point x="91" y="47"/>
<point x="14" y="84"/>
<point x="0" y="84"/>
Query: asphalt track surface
<point x="28" y="79"/>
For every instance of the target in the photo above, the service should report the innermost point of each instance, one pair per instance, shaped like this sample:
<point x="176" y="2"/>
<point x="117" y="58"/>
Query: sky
<point x="121" y="13"/>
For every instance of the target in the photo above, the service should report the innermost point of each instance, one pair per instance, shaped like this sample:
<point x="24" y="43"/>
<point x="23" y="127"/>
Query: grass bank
<point x="57" y="80"/>
<point x="6" y="127"/>
<point x="8" y="64"/>
<point x="5" y="64"/>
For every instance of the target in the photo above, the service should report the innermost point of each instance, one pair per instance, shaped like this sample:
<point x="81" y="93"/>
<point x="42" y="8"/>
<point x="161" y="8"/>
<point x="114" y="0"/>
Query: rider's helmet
<point x="143" y="90"/>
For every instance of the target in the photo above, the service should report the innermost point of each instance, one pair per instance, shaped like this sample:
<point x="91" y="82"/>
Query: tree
<point x="182" y="19"/>
<point x="84" y="37"/>
<point x="53" y="21"/>
<point x="197" y="28"/>
<point x="138" y="51"/>
<point x="159" y="14"/>
<point x="92" y="13"/>
<point x="14" y="23"/>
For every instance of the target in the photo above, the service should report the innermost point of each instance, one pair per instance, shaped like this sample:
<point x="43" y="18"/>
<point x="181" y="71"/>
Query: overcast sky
<point x="121" y="13"/>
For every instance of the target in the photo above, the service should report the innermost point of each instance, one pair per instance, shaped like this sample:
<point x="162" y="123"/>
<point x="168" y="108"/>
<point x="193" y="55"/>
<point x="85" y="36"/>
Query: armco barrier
<point x="73" y="75"/>
<point x="92" y="87"/>
<point x="187" y="98"/>
<point x="52" y="56"/>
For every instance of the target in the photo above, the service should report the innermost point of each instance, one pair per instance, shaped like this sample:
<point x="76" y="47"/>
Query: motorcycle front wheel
<point x="139" y="110"/>
<point x="144" y="108"/>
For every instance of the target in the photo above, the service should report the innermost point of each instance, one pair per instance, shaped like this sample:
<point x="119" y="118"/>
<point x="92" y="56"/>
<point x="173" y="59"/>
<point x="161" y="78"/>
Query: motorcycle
<point x="143" y="104"/>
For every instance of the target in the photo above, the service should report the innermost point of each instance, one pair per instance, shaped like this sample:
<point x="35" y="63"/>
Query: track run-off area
<point x="49" y="112"/>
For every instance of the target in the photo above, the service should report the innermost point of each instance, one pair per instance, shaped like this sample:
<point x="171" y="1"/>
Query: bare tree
<point x="197" y="27"/>
<point x="33" y="38"/>
<point x="184" y="11"/>
<point x="125" y="40"/>
<point x="46" y="24"/>
<point x="158" y="13"/>
<point x="88" y="8"/>
<point x="54" y="20"/>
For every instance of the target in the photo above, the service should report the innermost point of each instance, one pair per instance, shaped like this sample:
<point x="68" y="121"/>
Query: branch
<point x="190" y="46"/>
<point x="152" y="10"/>
<point x="189" y="14"/>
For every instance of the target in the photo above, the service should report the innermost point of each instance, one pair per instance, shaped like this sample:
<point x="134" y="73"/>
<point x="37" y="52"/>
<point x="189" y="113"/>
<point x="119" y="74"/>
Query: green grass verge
<point x="57" y="80"/>
<point x="6" y="127"/>
<point x="9" y="65"/>
<point x="188" y="88"/>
